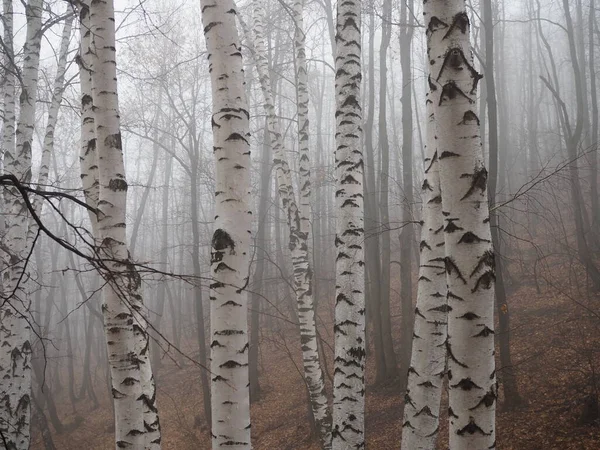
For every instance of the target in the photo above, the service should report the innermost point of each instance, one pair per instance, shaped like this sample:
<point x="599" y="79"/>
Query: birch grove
<point x="223" y="207"/>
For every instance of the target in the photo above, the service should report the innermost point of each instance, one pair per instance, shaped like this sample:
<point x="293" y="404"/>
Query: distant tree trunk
<point x="391" y="365"/>
<point x="349" y="328"/>
<point x="469" y="259"/>
<point x="133" y="390"/>
<point x="197" y="290"/>
<point x="9" y="84"/>
<point x="231" y="239"/>
<point x="511" y="390"/>
<point x="573" y="142"/>
<point x="407" y="233"/>
<point x="141" y="208"/>
<point x="164" y="260"/>
<point x="260" y="255"/>
<point x="15" y="351"/>
<point x="372" y="237"/>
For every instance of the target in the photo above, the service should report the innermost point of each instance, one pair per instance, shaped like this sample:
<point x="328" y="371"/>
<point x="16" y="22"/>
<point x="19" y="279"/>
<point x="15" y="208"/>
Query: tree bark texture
<point x="349" y="329"/>
<point x="469" y="256"/>
<point x="231" y="239"/>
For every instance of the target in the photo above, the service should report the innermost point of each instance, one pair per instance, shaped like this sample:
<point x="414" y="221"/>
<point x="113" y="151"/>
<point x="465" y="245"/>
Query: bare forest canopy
<point x="299" y="224"/>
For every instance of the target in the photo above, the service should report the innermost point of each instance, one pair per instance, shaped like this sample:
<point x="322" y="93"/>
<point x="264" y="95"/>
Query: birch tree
<point x="136" y="415"/>
<point x="297" y="216"/>
<point x="349" y="328"/>
<point x="469" y="257"/>
<point x="15" y="350"/>
<point x="428" y="359"/>
<point x="231" y="239"/>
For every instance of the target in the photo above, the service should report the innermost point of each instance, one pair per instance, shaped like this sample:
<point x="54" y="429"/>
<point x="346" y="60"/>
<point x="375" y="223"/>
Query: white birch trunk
<point x="87" y="153"/>
<point x="469" y="257"/>
<point x="349" y="329"/>
<point x="57" y="96"/>
<point x="231" y="240"/>
<point x="15" y="349"/>
<point x="8" y="93"/>
<point x="428" y="359"/>
<point x="137" y="424"/>
<point x="303" y="123"/>
<point x="298" y="222"/>
<point x="48" y="145"/>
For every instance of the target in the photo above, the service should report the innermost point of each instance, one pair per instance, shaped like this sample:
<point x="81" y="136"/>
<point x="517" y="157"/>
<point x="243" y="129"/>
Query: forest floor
<point x="555" y="341"/>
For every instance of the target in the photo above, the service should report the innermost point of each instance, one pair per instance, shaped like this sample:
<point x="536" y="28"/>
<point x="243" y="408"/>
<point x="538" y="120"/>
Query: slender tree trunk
<point x="407" y="233"/>
<point x="469" y="254"/>
<point x="573" y="142"/>
<point x="511" y="390"/>
<point x="133" y="390"/>
<point x="594" y="135"/>
<point x="299" y="235"/>
<point x="15" y="350"/>
<point x="231" y="239"/>
<point x="349" y="328"/>
<point x="149" y="185"/>
<point x="164" y="256"/>
<point x="197" y="290"/>
<point x="260" y="255"/>
<point x="372" y="239"/>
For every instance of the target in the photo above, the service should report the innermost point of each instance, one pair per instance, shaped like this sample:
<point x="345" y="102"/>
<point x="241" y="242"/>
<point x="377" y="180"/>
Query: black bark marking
<point x="485" y="281"/>
<point x="451" y="268"/>
<point x="478" y="181"/>
<point x="466" y="384"/>
<point x="452" y="227"/>
<point x="425" y="410"/>
<point x="486" y="260"/>
<point x="487" y="400"/>
<point x="469" y="316"/>
<point x="469" y="118"/>
<point x="460" y="22"/>
<point x="436" y="24"/>
<point x="441" y="308"/>
<point x="113" y="141"/>
<point x="222" y="240"/>
<point x="471" y="238"/>
<point x="452" y="295"/>
<point x="433" y="161"/>
<point x="485" y="332"/>
<point x="471" y="428"/>
<point x="446" y="154"/>
<point x="453" y="358"/>
<point x="450" y="91"/>
<point x="117" y="184"/>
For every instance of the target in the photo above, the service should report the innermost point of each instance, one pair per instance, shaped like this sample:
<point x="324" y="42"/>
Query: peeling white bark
<point x="349" y="329"/>
<point x="231" y="240"/>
